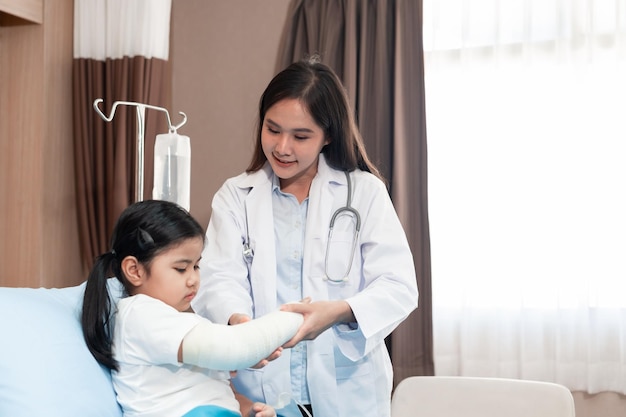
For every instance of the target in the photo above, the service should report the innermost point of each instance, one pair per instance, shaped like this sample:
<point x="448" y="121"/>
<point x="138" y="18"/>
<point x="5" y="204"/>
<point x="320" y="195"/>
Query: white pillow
<point x="45" y="366"/>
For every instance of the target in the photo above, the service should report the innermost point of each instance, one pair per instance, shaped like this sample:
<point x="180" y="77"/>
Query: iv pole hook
<point x="141" y="111"/>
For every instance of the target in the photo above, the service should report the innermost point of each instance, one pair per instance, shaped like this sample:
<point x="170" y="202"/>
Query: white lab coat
<point x="349" y="372"/>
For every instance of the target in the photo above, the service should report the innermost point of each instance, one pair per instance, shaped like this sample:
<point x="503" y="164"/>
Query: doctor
<point x="268" y="245"/>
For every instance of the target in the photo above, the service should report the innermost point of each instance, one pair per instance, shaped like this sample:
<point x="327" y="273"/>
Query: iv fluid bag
<point x="172" y="169"/>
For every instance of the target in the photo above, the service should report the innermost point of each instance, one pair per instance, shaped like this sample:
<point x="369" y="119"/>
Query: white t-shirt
<point x="150" y="381"/>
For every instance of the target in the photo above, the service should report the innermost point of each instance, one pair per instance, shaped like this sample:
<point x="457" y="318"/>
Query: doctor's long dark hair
<point x="317" y="86"/>
<point x="143" y="230"/>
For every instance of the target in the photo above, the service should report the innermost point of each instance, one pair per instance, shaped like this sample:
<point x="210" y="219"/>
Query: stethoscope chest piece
<point x="248" y="253"/>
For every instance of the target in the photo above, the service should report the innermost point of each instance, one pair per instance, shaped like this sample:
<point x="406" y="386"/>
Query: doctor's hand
<point x="238" y="318"/>
<point x="318" y="317"/>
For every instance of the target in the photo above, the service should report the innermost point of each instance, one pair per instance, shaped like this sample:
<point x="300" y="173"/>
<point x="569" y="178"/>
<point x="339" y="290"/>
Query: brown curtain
<point x="105" y="152"/>
<point x="376" y="48"/>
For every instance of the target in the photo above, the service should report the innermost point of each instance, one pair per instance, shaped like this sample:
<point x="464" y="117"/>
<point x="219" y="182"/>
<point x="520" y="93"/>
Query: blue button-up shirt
<point x="289" y="228"/>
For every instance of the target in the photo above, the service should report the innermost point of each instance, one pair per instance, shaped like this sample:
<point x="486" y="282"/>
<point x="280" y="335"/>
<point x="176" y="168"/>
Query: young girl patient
<point x="165" y="359"/>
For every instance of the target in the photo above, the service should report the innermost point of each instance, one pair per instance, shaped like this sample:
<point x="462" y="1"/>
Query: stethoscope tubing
<point x="248" y="253"/>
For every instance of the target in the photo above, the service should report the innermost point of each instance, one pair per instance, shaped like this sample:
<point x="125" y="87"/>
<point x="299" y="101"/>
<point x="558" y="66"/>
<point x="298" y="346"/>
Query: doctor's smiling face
<point x="292" y="143"/>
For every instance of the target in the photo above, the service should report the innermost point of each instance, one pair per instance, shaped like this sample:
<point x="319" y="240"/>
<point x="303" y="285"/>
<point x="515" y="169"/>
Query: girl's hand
<point x="262" y="410"/>
<point x="318" y="317"/>
<point x="238" y="318"/>
<point x="250" y="409"/>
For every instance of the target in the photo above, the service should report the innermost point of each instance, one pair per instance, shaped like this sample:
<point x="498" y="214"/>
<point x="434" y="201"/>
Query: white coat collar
<point x="325" y="171"/>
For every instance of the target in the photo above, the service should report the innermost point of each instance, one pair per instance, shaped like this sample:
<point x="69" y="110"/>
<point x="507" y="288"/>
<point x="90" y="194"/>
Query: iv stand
<point x="141" y="113"/>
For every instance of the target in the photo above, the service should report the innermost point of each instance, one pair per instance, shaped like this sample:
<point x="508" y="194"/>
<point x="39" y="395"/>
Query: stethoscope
<point x="248" y="253"/>
<point x="355" y="236"/>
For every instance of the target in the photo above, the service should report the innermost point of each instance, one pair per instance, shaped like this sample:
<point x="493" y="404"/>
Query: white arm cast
<point x="228" y="348"/>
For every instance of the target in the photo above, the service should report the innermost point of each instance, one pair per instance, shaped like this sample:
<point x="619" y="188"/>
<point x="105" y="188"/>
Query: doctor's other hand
<point x="318" y="317"/>
<point x="238" y="318"/>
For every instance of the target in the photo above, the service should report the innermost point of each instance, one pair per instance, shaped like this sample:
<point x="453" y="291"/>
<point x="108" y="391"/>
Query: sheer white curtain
<point x="526" y="119"/>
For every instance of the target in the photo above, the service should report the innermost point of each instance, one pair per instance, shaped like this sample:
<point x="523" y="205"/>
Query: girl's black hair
<point x="318" y="87"/>
<point x="143" y="230"/>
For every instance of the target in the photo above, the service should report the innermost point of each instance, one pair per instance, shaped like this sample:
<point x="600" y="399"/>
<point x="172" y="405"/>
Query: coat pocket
<point x="356" y="385"/>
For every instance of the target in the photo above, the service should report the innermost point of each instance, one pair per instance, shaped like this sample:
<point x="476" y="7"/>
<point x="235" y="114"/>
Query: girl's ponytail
<point x="96" y="317"/>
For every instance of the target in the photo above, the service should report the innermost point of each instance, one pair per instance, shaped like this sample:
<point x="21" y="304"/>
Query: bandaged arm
<point x="228" y="348"/>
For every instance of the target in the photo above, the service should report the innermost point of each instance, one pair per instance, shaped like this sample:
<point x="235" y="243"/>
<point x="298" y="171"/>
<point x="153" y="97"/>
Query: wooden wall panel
<point x="20" y="246"/>
<point x="61" y="253"/>
<point x="38" y="232"/>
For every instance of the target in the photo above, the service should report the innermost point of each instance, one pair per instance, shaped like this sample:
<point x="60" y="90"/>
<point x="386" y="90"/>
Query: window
<point x="526" y="119"/>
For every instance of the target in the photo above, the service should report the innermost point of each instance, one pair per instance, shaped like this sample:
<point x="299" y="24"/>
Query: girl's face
<point x="174" y="274"/>
<point x="292" y="142"/>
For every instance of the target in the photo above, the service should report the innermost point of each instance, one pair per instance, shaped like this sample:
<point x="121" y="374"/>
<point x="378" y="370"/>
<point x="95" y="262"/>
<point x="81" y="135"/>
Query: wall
<point x="38" y="229"/>
<point x="604" y="404"/>
<point x="223" y="55"/>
